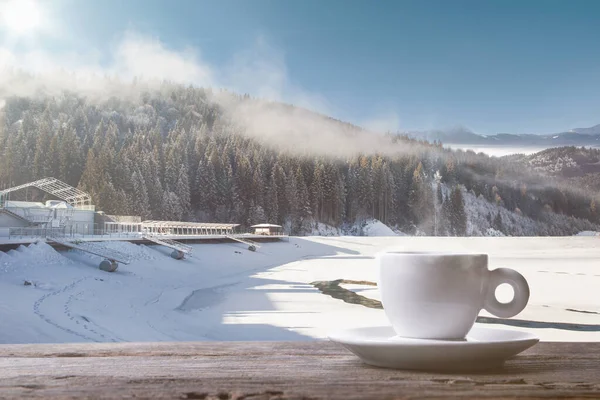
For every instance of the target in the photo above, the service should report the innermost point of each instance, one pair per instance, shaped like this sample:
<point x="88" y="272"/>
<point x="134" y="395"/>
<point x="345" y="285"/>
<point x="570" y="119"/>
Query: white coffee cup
<point x="439" y="295"/>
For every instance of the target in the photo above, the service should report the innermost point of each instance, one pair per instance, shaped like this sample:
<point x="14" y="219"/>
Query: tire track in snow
<point x="37" y="305"/>
<point x="156" y="299"/>
<point x="89" y="325"/>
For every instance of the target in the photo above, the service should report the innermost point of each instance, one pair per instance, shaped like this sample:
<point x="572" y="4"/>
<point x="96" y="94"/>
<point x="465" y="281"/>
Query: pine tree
<point x="52" y="160"/>
<point x="364" y="189"/>
<point x="259" y="188"/>
<point x="141" y="204"/>
<point x="207" y="191"/>
<point x="378" y="188"/>
<point x="291" y="196"/>
<point x="421" y="201"/>
<point x="317" y="192"/>
<point x="445" y="227"/>
<point x="304" y="207"/>
<point x="228" y="201"/>
<point x="272" y="201"/>
<point x="351" y="205"/>
<point x="340" y="201"/>
<point x="182" y="189"/>
<point x="257" y="215"/>
<point x="173" y="165"/>
<point x="151" y="174"/>
<point x="498" y="225"/>
<point x="41" y="158"/>
<point x="439" y="228"/>
<point x="458" y="217"/>
<point x="172" y="210"/>
<point x="427" y="210"/>
<point x="280" y="186"/>
<point x="92" y="177"/>
<point x="70" y="164"/>
<point x="388" y="190"/>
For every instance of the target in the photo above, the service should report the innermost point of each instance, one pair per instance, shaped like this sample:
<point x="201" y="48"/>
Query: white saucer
<point x="484" y="348"/>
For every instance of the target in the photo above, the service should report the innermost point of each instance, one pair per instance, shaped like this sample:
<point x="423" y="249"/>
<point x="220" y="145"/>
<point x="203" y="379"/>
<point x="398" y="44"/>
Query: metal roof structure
<point x="180" y="224"/>
<point x="187" y="228"/>
<point x="266" y="226"/>
<point x="23" y="204"/>
<point x="75" y="197"/>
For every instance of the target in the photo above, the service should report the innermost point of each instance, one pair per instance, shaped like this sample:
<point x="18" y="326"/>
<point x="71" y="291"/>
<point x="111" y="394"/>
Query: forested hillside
<point x="183" y="153"/>
<point x="576" y="167"/>
<point x="563" y="162"/>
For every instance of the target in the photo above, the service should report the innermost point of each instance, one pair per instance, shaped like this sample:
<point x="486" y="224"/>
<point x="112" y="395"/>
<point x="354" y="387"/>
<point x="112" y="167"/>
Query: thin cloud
<point x="385" y="122"/>
<point x="38" y="71"/>
<point x="260" y="71"/>
<point x="147" y="58"/>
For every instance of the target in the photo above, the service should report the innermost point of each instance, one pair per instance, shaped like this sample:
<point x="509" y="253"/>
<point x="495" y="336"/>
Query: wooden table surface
<point x="278" y="370"/>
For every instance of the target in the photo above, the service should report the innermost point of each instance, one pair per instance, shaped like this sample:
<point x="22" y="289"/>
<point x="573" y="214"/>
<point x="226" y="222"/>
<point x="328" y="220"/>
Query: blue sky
<point x="492" y="66"/>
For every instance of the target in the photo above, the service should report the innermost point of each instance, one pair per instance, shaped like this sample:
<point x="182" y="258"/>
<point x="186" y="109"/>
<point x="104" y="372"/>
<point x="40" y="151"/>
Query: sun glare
<point x="20" y="16"/>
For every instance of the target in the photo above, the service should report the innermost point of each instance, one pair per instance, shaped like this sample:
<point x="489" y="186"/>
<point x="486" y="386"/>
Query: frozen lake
<point x="228" y="293"/>
<point x="500" y="151"/>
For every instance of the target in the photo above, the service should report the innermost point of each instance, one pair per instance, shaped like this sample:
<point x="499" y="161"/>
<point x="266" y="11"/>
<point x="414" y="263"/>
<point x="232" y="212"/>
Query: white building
<point x="268" y="229"/>
<point x="72" y="213"/>
<point x="52" y="214"/>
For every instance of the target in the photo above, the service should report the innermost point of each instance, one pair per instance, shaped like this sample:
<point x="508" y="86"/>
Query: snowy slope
<point x="588" y="233"/>
<point x="153" y="298"/>
<point x="321" y="229"/>
<point x="375" y="227"/>
<point x="228" y="293"/>
<point x="479" y="210"/>
<point x="369" y="227"/>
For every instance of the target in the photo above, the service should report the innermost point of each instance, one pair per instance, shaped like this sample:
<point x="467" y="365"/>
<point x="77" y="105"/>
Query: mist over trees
<point x="175" y="154"/>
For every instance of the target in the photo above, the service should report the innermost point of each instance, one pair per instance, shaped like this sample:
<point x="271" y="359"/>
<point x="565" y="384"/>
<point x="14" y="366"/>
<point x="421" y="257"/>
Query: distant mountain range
<point x="462" y="136"/>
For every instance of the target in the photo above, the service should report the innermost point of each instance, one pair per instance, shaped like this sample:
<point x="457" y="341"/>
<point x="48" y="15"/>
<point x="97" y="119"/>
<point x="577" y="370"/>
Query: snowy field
<point x="225" y="292"/>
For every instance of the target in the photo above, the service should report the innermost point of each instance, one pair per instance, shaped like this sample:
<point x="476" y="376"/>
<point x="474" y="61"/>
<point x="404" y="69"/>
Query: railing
<point x="97" y="232"/>
<point x="43" y="215"/>
<point x="184" y="248"/>
<point x="92" y="248"/>
<point x="34" y="232"/>
<point x="66" y="232"/>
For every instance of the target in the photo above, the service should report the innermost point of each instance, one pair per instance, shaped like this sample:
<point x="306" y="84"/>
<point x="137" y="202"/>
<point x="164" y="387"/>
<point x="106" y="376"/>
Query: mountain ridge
<point x="463" y="136"/>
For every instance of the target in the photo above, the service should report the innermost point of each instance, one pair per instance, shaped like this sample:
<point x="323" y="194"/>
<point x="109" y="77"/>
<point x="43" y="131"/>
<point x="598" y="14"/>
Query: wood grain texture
<point x="278" y="370"/>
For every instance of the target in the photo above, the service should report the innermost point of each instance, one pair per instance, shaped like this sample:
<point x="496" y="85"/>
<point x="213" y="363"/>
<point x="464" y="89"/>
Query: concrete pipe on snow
<point x="109" y="266"/>
<point x="178" y="255"/>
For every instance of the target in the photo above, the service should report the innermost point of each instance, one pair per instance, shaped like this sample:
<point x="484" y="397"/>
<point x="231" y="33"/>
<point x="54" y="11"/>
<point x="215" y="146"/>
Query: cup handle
<point x="520" y="287"/>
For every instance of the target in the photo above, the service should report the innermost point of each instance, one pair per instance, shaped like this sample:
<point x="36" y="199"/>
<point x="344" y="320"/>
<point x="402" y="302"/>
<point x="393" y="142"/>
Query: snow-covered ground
<point x="588" y="233"/>
<point x="377" y="228"/>
<point x="225" y="292"/>
<point x="498" y="151"/>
